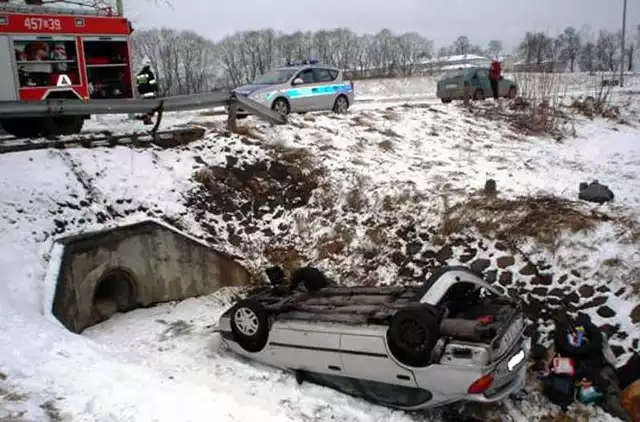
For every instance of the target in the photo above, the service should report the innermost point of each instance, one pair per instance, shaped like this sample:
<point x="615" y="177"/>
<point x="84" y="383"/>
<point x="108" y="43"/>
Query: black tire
<point x="252" y="338"/>
<point x="446" y="100"/>
<point x="412" y="335"/>
<point x="589" y="349"/>
<point x="281" y="104"/>
<point x="513" y="91"/>
<point x="341" y="105"/>
<point x="62" y="125"/>
<point x="478" y="95"/>
<point x="22" y="127"/>
<point x="312" y="278"/>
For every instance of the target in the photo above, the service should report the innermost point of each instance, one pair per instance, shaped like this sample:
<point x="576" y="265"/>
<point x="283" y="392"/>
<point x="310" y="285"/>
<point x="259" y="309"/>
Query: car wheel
<point x="281" y="106"/>
<point x="412" y="334"/>
<point x="249" y="325"/>
<point x="446" y="100"/>
<point x="310" y="277"/>
<point x="341" y="105"/>
<point x="591" y="348"/>
<point x="478" y="95"/>
<point x="512" y="92"/>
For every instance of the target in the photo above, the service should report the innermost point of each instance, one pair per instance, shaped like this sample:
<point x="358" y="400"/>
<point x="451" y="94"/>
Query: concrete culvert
<point x="115" y="292"/>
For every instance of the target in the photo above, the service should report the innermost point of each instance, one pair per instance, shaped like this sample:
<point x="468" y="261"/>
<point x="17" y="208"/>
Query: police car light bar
<point x="302" y="62"/>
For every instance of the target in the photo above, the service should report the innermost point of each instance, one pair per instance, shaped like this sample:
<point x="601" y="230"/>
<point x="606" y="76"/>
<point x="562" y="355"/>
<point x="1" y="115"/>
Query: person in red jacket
<point x="494" y="76"/>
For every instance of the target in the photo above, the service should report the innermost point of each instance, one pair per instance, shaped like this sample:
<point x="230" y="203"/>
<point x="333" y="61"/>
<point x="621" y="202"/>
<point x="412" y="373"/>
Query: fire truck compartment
<point x="108" y="70"/>
<point x="46" y="61"/>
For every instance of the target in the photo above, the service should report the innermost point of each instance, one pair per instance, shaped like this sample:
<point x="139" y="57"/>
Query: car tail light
<point x="480" y="385"/>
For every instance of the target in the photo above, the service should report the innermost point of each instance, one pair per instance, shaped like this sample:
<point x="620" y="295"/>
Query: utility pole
<point x="624" y="34"/>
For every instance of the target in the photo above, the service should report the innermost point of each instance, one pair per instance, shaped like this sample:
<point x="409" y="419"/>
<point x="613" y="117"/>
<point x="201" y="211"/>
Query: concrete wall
<point x="159" y="263"/>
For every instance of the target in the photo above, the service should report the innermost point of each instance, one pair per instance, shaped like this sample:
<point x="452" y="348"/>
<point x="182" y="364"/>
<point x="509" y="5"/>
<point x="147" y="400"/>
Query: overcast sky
<point x="440" y="20"/>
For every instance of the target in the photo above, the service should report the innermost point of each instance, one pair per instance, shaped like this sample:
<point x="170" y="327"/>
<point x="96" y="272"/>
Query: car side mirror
<point x="297" y="81"/>
<point x="474" y="77"/>
<point x="501" y="77"/>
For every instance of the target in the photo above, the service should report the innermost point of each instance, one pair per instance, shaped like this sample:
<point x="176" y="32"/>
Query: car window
<point x="482" y="73"/>
<point x="324" y="75"/>
<point x="278" y="76"/>
<point x="397" y="395"/>
<point x="343" y="384"/>
<point x="306" y="75"/>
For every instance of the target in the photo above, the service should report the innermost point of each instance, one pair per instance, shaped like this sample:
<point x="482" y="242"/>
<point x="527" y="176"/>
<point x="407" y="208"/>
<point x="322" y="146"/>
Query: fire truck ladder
<point x="46" y="8"/>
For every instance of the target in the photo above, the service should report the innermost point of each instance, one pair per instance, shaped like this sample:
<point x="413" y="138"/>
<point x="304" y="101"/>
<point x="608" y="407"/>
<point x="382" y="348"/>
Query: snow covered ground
<point x="365" y="194"/>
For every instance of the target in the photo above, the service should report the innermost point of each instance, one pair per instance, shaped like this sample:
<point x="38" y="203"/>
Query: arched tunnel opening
<point x="115" y="292"/>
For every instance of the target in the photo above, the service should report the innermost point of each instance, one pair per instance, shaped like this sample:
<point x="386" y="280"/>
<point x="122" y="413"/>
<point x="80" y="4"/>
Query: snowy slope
<point x="363" y="198"/>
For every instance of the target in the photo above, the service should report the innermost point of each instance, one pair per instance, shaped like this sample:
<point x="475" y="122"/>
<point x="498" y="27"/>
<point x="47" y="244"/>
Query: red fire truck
<point x="48" y="53"/>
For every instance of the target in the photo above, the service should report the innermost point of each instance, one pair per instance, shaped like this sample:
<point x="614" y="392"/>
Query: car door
<point x="484" y="83"/>
<point x="295" y="345"/>
<point x="300" y="96"/>
<point x="365" y="357"/>
<point x="324" y="91"/>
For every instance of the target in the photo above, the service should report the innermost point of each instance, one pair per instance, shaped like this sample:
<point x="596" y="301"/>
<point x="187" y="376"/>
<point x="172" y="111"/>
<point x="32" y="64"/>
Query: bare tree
<point x="411" y="47"/>
<point x="607" y="50"/>
<point x="494" y="48"/>
<point x="462" y="45"/>
<point x="536" y="48"/>
<point x="570" y="44"/>
<point x="587" y="58"/>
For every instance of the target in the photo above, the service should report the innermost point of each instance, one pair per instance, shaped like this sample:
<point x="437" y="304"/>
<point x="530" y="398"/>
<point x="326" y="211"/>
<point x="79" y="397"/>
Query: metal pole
<point x="120" y="7"/>
<point x="624" y="34"/>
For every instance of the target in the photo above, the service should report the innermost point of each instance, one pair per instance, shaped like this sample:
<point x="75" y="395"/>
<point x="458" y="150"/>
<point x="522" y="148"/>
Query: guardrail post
<point x="232" y="118"/>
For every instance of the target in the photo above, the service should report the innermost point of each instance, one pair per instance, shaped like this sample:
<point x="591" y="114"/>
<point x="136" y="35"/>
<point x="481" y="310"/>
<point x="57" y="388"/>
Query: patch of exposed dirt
<point x="542" y="218"/>
<point x="529" y="119"/>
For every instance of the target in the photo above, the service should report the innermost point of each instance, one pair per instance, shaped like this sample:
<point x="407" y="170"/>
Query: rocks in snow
<point x="595" y="192"/>
<point x="586" y="291"/>
<point x="606" y="312"/>
<point x="505" y="261"/>
<point x="490" y="188"/>
<point x="635" y="315"/>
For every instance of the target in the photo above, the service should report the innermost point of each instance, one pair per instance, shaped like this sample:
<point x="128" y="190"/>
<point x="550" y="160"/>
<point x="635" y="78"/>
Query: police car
<point x="301" y="87"/>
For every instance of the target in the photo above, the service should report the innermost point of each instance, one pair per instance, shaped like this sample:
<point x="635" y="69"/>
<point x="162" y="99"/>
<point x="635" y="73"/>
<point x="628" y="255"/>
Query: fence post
<point x="232" y="121"/>
<point x="466" y="93"/>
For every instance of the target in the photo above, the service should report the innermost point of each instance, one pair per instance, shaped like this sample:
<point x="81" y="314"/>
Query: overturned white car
<point x="453" y="338"/>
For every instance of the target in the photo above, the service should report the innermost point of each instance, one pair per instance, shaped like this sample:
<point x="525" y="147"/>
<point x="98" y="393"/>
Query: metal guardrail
<point x="73" y="107"/>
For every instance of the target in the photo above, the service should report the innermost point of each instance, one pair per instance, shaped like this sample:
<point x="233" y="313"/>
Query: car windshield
<point x="278" y="76"/>
<point x="458" y="73"/>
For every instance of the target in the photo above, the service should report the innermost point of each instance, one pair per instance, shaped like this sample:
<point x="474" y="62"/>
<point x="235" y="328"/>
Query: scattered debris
<point x="595" y="192"/>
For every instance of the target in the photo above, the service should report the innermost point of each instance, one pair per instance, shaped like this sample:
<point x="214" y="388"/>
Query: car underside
<point x="453" y="327"/>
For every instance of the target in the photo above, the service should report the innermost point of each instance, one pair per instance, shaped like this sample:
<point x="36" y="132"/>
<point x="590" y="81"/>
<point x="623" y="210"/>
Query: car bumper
<point x="515" y="382"/>
<point x="449" y="93"/>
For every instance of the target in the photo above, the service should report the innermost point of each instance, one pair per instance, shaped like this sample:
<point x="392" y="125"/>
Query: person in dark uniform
<point x="147" y="85"/>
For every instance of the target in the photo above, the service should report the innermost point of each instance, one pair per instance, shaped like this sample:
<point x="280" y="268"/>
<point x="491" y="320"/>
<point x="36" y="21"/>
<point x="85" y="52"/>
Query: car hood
<point x="249" y="89"/>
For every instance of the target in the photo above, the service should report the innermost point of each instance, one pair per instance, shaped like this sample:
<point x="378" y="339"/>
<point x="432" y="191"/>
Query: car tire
<point x="589" y="349"/>
<point x="413" y="333"/>
<point x="310" y="277"/>
<point x="478" y="95"/>
<point x="446" y="100"/>
<point x="513" y="91"/>
<point x="341" y="105"/>
<point x="250" y="325"/>
<point x="281" y="105"/>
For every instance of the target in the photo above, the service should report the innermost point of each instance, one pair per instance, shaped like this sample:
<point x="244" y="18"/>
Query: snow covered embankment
<point x="369" y="213"/>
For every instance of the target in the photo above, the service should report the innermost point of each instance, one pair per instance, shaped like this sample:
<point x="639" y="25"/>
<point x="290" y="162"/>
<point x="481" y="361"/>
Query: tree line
<point x="187" y="62"/>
